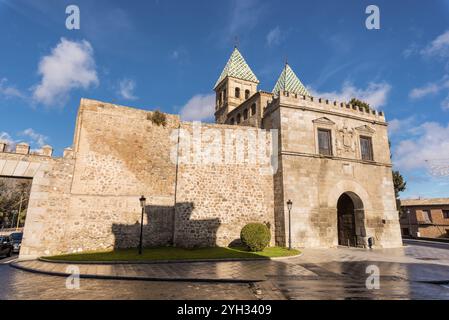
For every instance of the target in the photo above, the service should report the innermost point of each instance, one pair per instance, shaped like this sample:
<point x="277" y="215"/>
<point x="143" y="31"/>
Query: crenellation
<point x="47" y="151"/>
<point x="325" y="104"/>
<point x="22" y="148"/>
<point x="68" y="153"/>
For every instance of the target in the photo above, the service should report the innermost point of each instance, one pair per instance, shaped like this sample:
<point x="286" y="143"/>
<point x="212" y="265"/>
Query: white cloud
<point x="70" y="66"/>
<point x="400" y="125"/>
<point x="244" y="16"/>
<point x="36" y="139"/>
<point x="9" y="91"/>
<point x="200" y="107"/>
<point x="445" y="103"/>
<point x="433" y="88"/>
<point x="430" y="88"/>
<point x="429" y="141"/>
<point x="126" y="89"/>
<point x="6" y="138"/>
<point x="275" y="37"/>
<point x="376" y="94"/>
<point x="438" y="47"/>
<point x="410" y="50"/>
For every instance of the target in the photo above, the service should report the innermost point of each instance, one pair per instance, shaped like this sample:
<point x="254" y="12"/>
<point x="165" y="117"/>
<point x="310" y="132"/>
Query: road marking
<point x="8" y="260"/>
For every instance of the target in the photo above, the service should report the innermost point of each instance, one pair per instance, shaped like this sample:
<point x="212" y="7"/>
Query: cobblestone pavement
<point x="318" y="274"/>
<point x="17" y="284"/>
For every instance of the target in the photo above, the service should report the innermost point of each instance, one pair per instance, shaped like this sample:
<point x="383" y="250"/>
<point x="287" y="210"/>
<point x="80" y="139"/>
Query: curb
<point x="16" y="265"/>
<point x="168" y="261"/>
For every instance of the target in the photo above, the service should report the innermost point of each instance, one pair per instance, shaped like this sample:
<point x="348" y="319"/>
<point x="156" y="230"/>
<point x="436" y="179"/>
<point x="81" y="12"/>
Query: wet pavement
<point x="405" y="273"/>
<point x="17" y="284"/>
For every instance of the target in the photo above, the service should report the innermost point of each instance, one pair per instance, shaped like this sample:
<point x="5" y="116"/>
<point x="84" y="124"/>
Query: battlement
<point x="23" y="148"/>
<point x="286" y="98"/>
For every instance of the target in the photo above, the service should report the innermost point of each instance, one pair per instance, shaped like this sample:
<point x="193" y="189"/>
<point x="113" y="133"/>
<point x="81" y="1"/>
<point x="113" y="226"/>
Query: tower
<point x="235" y="85"/>
<point x="289" y="82"/>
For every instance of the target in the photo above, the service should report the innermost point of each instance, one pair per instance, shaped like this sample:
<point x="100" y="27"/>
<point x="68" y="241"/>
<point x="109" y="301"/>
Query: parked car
<point x="16" y="238"/>
<point x="5" y="246"/>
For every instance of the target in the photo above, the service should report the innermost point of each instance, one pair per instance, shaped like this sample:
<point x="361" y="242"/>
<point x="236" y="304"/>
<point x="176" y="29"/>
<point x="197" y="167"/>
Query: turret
<point x="236" y="84"/>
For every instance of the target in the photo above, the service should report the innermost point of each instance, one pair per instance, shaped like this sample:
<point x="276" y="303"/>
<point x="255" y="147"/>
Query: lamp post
<point x="289" y="206"/>
<point x="142" y="204"/>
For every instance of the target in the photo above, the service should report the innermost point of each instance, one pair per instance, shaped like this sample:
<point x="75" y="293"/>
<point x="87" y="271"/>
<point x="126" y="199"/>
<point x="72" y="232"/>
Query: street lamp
<point x="142" y="204"/>
<point x="289" y="207"/>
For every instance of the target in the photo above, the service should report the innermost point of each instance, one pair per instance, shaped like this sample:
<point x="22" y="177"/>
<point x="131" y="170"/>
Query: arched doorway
<point x="351" y="220"/>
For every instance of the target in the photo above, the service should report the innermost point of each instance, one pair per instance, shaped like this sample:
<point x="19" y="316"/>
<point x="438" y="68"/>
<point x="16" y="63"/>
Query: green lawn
<point x="170" y="253"/>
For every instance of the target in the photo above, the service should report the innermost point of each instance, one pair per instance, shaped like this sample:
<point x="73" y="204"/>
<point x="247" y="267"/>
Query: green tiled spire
<point x="288" y="81"/>
<point x="237" y="68"/>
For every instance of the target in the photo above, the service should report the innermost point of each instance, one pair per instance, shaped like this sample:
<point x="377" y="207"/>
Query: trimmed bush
<point x="256" y="236"/>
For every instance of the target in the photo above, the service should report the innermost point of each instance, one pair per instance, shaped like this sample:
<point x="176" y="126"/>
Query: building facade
<point x="425" y="218"/>
<point x="330" y="158"/>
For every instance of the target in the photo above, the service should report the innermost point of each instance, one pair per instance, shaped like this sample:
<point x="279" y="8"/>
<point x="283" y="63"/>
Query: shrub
<point x="256" y="236"/>
<point x="158" y="118"/>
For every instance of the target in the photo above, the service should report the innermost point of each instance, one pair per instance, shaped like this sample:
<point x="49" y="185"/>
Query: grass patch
<point x="170" y="253"/>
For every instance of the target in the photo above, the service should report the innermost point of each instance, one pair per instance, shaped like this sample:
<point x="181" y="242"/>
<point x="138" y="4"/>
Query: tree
<point x="13" y="192"/>
<point x="360" y="103"/>
<point x="399" y="183"/>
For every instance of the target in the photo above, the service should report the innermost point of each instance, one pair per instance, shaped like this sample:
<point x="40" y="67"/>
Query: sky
<point x="167" y="55"/>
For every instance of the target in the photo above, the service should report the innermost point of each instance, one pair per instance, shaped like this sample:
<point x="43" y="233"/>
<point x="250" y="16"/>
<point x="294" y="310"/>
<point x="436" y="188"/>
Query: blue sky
<point x="168" y="55"/>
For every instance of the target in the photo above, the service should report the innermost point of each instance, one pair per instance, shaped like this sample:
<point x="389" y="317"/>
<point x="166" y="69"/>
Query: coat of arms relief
<point x="345" y="141"/>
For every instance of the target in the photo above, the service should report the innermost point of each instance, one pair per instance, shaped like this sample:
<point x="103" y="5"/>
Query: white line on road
<point x="8" y="260"/>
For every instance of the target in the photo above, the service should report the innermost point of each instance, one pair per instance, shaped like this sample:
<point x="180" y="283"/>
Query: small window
<point x="247" y="93"/>
<point x="232" y="121"/>
<point x="366" y="147"/>
<point x="446" y="214"/>
<point x="237" y="92"/>
<point x="224" y="94"/>
<point x="427" y="217"/>
<point x="245" y="114"/>
<point x="324" y="142"/>
<point x="253" y="109"/>
<point x="239" y="117"/>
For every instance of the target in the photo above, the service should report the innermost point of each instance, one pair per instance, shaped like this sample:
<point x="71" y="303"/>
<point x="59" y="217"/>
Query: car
<point x="6" y="247"/>
<point x="16" y="238"/>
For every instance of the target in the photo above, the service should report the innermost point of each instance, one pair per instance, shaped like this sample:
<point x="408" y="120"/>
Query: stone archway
<point x="351" y="220"/>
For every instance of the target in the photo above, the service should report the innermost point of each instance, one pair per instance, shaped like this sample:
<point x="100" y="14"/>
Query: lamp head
<point x="142" y="201"/>
<point x="289" y="204"/>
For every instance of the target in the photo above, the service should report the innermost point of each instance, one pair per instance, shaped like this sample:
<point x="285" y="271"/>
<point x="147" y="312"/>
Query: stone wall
<point x="44" y="229"/>
<point x="218" y="199"/>
<point x="91" y="202"/>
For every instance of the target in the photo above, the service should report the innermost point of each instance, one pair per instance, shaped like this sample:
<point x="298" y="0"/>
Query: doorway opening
<point x="351" y="220"/>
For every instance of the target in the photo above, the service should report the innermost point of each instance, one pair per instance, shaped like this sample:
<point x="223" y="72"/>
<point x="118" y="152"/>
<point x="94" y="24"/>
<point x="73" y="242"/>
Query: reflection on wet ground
<point x="347" y="280"/>
<point x="17" y="284"/>
<point x="413" y="272"/>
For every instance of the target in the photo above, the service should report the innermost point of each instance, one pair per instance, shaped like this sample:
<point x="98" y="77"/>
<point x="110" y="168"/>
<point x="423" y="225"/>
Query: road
<point x="338" y="274"/>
